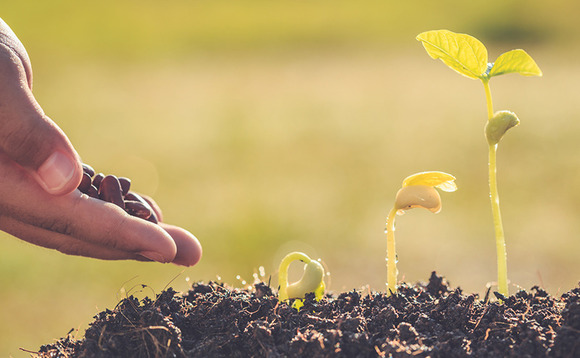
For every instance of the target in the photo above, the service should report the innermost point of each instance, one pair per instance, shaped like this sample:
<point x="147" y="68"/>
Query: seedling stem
<point x="494" y="198"/>
<point x="392" y="271"/>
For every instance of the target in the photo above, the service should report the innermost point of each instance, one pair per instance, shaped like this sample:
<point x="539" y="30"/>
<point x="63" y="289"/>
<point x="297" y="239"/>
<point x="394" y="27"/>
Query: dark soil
<point x="424" y="320"/>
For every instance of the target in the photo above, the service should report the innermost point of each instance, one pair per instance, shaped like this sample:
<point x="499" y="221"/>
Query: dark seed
<point x="88" y="169"/>
<point x="93" y="192"/>
<point x="116" y="190"/>
<point x="136" y="197"/>
<point x="136" y="208"/>
<point x="133" y="197"/>
<point x="153" y="218"/>
<point x="156" y="210"/>
<point x="97" y="180"/>
<point x="125" y="184"/>
<point x="85" y="183"/>
<point x="110" y="191"/>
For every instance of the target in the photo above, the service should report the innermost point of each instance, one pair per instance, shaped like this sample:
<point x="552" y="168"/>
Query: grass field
<point x="265" y="127"/>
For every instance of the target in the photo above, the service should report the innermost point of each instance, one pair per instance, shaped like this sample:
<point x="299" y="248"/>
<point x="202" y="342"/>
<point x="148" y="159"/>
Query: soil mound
<point x="423" y="320"/>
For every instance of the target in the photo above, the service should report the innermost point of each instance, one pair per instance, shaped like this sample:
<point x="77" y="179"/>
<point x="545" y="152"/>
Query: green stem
<point x="391" y="254"/>
<point x="495" y="209"/>
<point x="499" y="235"/>
<point x="489" y="101"/>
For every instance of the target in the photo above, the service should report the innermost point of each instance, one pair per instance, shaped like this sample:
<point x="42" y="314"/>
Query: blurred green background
<point x="270" y="126"/>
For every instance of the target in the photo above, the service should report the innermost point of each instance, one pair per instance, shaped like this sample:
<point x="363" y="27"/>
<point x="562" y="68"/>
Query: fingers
<point x="75" y="224"/>
<point x="61" y="242"/>
<point x="79" y="225"/>
<point x="27" y="135"/>
<point x="9" y="39"/>
<point x="188" y="247"/>
<point x="78" y="216"/>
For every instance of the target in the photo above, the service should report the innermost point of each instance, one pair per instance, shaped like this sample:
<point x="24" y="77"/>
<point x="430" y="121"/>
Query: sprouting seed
<point x="312" y="280"/>
<point x="417" y="191"/>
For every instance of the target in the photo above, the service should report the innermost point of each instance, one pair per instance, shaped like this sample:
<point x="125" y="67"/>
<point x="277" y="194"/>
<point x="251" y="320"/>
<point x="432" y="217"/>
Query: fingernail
<point x="153" y="256"/>
<point x="56" y="172"/>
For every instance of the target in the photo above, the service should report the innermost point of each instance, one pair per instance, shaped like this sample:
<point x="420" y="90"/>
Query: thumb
<point x="28" y="136"/>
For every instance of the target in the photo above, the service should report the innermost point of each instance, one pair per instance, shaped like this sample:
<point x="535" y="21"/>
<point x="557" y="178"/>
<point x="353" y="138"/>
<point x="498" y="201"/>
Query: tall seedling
<point x="468" y="56"/>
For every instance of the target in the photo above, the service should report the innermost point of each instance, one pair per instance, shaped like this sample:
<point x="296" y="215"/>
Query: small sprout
<point x="312" y="280"/>
<point x="418" y="191"/>
<point x="467" y="56"/>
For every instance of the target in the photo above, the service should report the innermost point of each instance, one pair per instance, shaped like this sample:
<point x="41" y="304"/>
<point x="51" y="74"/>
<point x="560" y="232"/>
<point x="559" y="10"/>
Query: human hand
<point x="39" y="172"/>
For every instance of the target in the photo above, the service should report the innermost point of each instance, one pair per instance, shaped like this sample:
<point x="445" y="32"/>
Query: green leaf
<point x="441" y="180"/>
<point x="515" y="61"/>
<point x="462" y="53"/>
